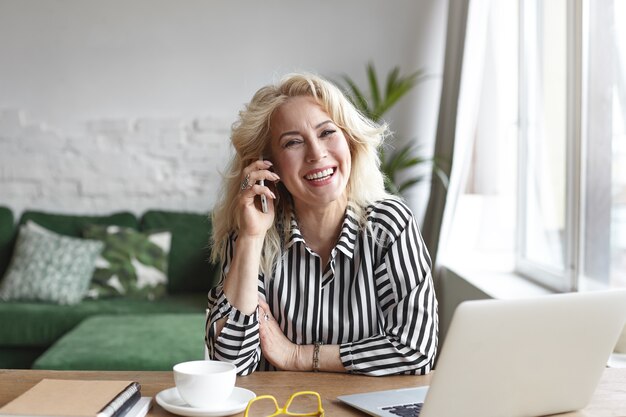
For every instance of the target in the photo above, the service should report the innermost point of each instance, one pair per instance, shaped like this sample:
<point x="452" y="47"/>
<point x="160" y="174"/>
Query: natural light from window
<point x="482" y="235"/>
<point x="618" y="218"/>
<point x="544" y="189"/>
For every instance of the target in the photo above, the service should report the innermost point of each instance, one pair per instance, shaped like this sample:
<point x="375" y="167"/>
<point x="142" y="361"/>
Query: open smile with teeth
<point x="320" y="175"/>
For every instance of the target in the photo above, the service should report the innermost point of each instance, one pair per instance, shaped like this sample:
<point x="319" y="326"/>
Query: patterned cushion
<point x="49" y="267"/>
<point x="132" y="264"/>
<point x="189" y="269"/>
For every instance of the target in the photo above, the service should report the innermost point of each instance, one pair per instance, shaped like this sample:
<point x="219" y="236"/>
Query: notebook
<point x="523" y="357"/>
<point x="79" y="398"/>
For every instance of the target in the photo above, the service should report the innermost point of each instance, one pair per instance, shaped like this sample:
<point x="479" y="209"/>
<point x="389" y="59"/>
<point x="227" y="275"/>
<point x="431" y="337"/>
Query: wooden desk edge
<point x="608" y="400"/>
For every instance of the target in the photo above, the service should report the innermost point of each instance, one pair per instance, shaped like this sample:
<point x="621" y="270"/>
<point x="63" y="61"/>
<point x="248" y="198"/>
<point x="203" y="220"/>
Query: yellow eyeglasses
<point x="299" y="404"/>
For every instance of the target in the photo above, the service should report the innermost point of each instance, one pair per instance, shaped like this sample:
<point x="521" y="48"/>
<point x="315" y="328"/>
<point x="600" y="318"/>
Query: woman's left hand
<point x="276" y="348"/>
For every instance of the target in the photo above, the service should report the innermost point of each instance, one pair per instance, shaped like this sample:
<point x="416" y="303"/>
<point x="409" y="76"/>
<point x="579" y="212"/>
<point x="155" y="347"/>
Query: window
<point x="545" y="192"/>
<point x="482" y="227"/>
<point x="545" y="238"/>
<point x="603" y="260"/>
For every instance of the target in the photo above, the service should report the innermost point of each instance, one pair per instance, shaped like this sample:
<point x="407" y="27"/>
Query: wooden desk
<point x="609" y="399"/>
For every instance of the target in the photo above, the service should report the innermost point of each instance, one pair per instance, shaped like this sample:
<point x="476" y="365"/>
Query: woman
<point x="335" y="275"/>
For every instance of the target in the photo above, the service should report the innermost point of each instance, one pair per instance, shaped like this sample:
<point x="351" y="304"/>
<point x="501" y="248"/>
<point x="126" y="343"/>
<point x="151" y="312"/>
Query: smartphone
<point x="263" y="197"/>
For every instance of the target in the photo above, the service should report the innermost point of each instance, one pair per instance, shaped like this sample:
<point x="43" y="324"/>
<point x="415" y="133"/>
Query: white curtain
<point x="458" y="112"/>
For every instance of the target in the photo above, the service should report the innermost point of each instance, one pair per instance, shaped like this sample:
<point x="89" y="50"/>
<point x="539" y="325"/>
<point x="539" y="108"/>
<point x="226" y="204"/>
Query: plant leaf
<point x="398" y="89"/>
<point x="392" y="79"/>
<point x="357" y="97"/>
<point x="409" y="183"/>
<point x="397" y="160"/>
<point x="391" y="187"/>
<point x="374" y="103"/>
<point x="374" y="90"/>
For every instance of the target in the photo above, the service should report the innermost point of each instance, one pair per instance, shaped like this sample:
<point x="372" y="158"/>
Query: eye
<point x="291" y="143"/>
<point x="327" y="132"/>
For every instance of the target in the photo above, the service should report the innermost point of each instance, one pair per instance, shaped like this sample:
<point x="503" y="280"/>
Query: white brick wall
<point x="170" y="59"/>
<point x="111" y="165"/>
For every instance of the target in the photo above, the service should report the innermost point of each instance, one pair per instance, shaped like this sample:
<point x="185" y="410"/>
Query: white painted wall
<point x="111" y="105"/>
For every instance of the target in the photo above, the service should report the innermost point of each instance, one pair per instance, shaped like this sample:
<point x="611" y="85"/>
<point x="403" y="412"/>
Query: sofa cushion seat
<point x="128" y="342"/>
<point x="41" y="324"/>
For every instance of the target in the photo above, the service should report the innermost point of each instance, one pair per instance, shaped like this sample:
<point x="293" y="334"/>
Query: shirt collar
<point x="347" y="237"/>
<point x="294" y="232"/>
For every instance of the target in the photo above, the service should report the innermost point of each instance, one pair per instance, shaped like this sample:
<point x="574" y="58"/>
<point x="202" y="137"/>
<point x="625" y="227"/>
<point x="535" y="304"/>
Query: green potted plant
<point x="374" y="104"/>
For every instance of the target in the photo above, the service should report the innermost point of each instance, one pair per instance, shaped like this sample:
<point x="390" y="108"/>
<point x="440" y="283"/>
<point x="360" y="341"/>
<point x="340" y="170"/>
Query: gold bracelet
<point x="316" y="356"/>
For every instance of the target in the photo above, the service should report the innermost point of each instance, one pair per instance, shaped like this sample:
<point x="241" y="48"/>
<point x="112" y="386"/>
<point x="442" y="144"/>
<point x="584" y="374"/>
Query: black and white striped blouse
<point x="375" y="299"/>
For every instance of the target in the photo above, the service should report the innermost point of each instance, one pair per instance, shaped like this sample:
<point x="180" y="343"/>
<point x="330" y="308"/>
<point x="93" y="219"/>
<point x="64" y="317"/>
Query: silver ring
<point x="266" y="317"/>
<point x="245" y="184"/>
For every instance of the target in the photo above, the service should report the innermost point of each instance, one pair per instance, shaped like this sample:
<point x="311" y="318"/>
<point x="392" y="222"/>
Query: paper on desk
<point x="141" y="408"/>
<point x="68" y="398"/>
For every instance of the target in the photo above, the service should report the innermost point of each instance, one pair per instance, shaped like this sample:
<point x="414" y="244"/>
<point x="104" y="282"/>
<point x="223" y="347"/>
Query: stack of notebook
<point x="75" y="398"/>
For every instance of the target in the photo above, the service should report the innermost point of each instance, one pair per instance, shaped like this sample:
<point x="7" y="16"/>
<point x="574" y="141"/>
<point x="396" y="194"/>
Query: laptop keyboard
<point x="405" y="410"/>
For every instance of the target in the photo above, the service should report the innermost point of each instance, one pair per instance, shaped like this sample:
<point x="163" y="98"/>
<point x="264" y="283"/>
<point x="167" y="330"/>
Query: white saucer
<point x="170" y="400"/>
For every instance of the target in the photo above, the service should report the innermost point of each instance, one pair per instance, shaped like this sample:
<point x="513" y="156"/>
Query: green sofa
<point x="112" y="333"/>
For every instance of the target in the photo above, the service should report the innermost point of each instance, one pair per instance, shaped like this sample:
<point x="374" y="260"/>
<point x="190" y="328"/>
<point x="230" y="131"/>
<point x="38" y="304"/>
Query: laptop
<point x="514" y="358"/>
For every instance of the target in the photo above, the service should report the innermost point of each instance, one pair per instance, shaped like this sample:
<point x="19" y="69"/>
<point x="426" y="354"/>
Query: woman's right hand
<point x="251" y="220"/>
<point x="241" y="281"/>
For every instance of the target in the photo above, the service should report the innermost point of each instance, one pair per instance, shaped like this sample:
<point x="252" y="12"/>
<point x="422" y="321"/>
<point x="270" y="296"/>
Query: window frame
<point x="590" y="81"/>
<point x="553" y="278"/>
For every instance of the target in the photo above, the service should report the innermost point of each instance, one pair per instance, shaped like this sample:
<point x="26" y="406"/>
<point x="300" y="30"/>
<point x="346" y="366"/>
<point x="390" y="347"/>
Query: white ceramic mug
<point x="205" y="383"/>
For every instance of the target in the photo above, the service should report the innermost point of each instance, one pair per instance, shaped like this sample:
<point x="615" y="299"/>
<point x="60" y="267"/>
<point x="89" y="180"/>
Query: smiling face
<point x="310" y="153"/>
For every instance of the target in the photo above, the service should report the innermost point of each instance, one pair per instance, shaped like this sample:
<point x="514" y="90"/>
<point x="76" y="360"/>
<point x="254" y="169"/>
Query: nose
<point x="316" y="150"/>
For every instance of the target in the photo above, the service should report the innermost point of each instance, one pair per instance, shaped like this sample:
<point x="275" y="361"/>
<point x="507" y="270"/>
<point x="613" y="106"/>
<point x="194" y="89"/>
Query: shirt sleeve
<point x="239" y="341"/>
<point x="407" y="299"/>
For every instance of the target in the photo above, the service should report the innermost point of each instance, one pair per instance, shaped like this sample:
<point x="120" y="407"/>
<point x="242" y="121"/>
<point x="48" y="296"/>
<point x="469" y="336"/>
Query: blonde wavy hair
<point x="250" y="136"/>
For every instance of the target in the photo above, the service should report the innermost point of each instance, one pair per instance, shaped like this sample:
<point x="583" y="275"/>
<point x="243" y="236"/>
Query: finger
<point x="261" y="164"/>
<point x="264" y="319"/>
<point x="263" y="304"/>
<point x="259" y="175"/>
<point x="260" y="190"/>
<point x="267" y="313"/>
<point x="263" y="322"/>
<point x="248" y="198"/>
<point x="256" y="166"/>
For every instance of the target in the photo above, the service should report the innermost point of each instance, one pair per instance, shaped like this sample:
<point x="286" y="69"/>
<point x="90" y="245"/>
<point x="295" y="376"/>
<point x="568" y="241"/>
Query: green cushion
<point x="40" y="324"/>
<point x="132" y="264"/>
<point x="153" y="342"/>
<point x="73" y="225"/>
<point x="49" y="267"/>
<point x="7" y="237"/>
<point x="189" y="267"/>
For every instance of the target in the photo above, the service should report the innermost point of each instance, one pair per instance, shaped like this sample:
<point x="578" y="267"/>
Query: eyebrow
<point x="295" y="132"/>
